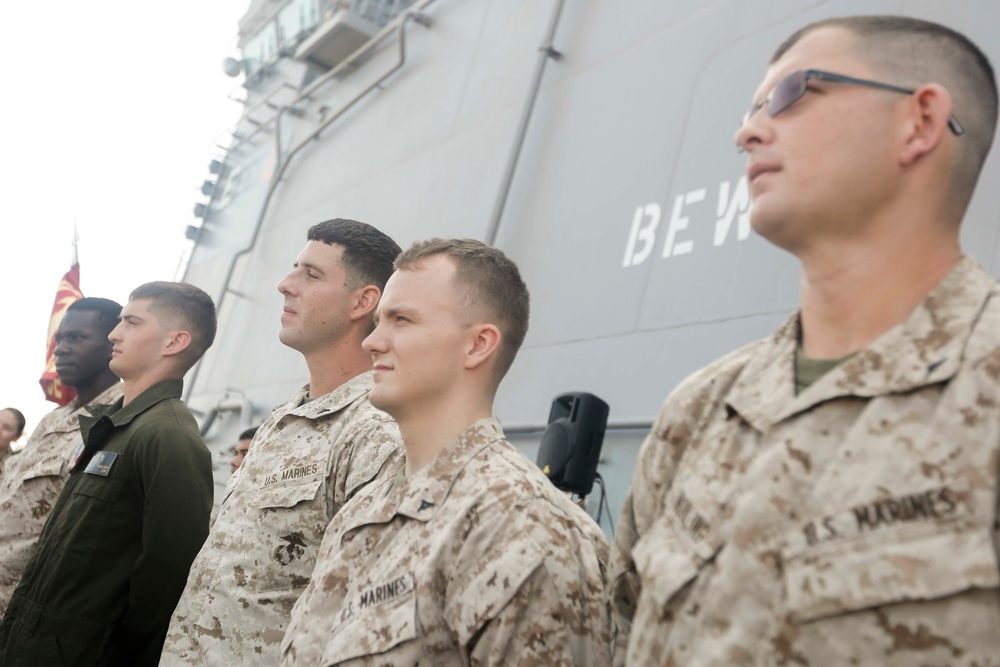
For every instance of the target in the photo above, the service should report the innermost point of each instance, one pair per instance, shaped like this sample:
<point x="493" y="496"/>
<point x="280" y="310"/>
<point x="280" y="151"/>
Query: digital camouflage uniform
<point x="476" y="559"/>
<point x="853" y="524"/>
<point x="305" y="462"/>
<point x="31" y="485"/>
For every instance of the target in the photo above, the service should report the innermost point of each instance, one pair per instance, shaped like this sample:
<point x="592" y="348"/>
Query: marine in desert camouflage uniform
<point x="469" y="555"/>
<point x="313" y="454"/>
<point x="33" y="479"/>
<point x="828" y="496"/>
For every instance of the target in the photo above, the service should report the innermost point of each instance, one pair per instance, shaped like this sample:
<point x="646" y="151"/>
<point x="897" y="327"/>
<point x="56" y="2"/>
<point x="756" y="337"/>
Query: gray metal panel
<point x="601" y="143"/>
<point x="640" y="111"/>
<point x="632" y="373"/>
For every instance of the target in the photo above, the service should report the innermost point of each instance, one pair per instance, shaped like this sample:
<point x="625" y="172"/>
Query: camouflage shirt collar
<point x="425" y="491"/>
<point x="336" y="400"/>
<point x="67" y="422"/>
<point x="924" y="349"/>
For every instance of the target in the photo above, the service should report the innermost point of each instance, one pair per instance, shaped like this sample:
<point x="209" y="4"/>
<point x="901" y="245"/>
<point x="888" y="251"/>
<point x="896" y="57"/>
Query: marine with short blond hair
<point x="466" y="554"/>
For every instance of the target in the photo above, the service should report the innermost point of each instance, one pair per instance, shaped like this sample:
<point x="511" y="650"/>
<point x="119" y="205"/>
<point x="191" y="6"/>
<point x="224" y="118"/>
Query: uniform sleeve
<point x="651" y="479"/>
<point x="676" y="427"/>
<point x="174" y="475"/>
<point x="527" y="588"/>
<point x="32" y="482"/>
<point x="528" y="630"/>
<point x="625" y="582"/>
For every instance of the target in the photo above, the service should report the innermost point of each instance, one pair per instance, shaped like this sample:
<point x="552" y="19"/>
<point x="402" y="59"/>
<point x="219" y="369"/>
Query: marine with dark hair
<point x="113" y="556"/>
<point x="310" y="457"/>
<point x="465" y="553"/>
<point x="829" y="495"/>
<point x="11" y="427"/>
<point x="34" y="480"/>
<point x="182" y="306"/>
<point x="367" y="253"/>
<point x="242" y="447"/>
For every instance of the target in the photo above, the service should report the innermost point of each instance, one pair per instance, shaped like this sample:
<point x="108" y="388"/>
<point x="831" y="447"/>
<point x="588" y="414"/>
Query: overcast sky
<point x="110" y="109"/>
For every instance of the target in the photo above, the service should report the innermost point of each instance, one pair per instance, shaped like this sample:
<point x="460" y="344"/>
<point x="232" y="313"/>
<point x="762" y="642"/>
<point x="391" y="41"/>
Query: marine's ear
<point x="365" y="301"/>
<point x="176" y="343"/>
<point x="483" y="341"/>
<point x="926" y="122"/>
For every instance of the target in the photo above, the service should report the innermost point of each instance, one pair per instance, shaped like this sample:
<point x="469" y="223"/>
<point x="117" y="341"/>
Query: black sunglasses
<point x="790" y="90"/>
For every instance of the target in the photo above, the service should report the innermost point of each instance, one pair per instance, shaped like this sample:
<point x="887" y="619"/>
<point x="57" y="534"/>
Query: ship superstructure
<point x="592" y="140"/>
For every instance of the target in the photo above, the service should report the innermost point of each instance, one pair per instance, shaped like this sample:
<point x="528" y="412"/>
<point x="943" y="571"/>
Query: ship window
<point x="379" y="12"/>
<point x="260" y="49"/>
<point x="297" y="17"/>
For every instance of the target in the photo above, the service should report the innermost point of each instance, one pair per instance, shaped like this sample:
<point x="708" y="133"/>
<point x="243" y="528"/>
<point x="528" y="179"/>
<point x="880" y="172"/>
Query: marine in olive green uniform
<point x="114" y="555"/>
<point x="115" y="552"/>
<point x="829" y="495"/>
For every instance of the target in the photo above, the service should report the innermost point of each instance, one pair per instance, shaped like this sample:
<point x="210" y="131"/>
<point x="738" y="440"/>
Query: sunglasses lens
<point x="788" y="91"/>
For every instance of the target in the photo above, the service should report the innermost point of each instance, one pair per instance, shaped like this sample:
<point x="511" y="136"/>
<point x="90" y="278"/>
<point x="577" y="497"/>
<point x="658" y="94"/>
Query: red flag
<point x="68" y="292"/>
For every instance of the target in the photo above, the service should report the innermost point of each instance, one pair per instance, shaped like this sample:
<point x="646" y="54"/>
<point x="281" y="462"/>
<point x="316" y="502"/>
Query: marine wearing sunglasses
<point x="790" y="90"/>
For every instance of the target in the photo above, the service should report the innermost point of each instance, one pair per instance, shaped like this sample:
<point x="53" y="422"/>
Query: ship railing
<point x="233" y="133"/>
<point x="378" y="12"/>
<point x="536" y="429"/>
<point x="398" y="27"/>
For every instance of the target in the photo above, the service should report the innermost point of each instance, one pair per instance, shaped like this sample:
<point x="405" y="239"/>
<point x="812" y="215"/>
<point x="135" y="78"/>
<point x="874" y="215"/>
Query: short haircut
<point x="493" y="289"/>
<point x="913" y="52"/>
<point x="368" y="253"/>
<point x="249" y="433"/>
<point x="19" y="418"/>
<point x="107" y="313"/>
<point x="184" y="305"/>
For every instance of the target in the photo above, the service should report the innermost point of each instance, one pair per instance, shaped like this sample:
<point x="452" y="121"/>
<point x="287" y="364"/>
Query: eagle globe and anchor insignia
<point x="294" y="549"/>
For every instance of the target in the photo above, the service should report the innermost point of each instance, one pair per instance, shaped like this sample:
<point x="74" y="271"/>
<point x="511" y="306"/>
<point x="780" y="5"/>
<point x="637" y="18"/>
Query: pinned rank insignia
<point x="77" y="453"/>
<point x="101" y="463"/>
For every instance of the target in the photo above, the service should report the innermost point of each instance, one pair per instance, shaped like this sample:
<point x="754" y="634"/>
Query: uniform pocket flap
<point x="890" y="568"/>
<point x="379" y="618"/>
<point x="50" y="466"/>
<point x="664" y="562"/>
<point x="287" y="494"/>
<point x="101" y="488"/>
<point x="485" y="592"/>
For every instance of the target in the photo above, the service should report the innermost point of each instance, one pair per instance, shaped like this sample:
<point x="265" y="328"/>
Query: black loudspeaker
<point x="571" y="446"/>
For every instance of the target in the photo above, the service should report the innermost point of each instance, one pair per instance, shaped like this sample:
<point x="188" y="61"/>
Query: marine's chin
<point x="378" y="398"/>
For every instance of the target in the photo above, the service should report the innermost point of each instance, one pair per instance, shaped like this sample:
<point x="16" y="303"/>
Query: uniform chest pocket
<point x="672" y="552"/>
<point x="287" y="494"/>
<point x="376" y="620"/>
<point x="83" y="520"/>
<point x="894" y="566"/>
<point x="99" y="488"/>
<point x="51" y="466"/>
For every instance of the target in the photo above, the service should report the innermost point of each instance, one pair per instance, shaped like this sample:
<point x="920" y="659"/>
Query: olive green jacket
<point x="114" y="555"/>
